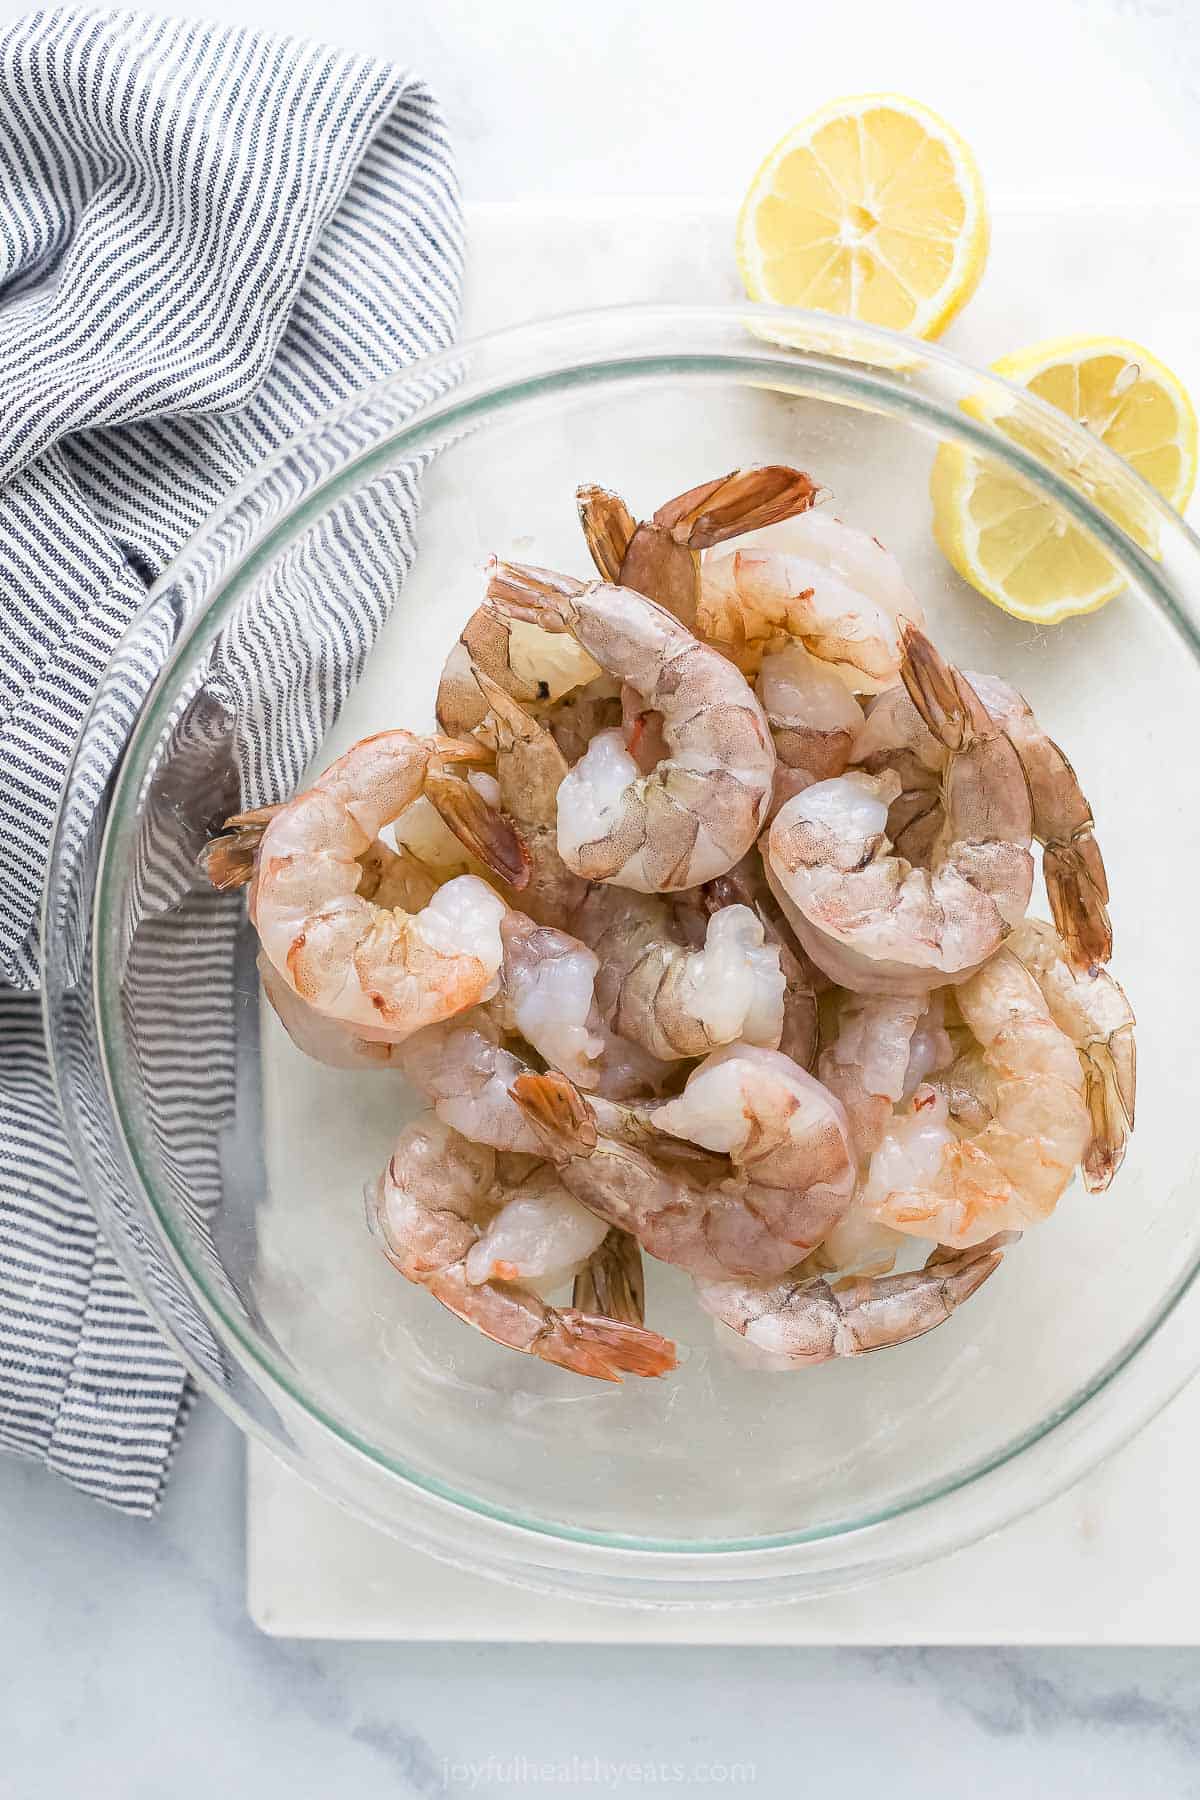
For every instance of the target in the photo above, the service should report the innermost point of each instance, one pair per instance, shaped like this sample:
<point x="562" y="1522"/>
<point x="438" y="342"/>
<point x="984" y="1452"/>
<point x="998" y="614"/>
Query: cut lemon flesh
<point x="1023" y="551"/>
<point x="872" y="208"/>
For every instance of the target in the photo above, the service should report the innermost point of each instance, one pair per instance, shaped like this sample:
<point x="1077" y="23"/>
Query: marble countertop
<point x="129" y="1670"/>
<point x="128" y="1665"/>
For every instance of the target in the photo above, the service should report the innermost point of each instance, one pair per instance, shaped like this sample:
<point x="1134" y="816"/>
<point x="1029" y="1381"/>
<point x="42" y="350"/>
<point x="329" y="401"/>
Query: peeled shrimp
<point x="538" y="1234"/>
<point x="1076" y="884"/>
<point x="895" y="737"/>
<point x="746" y="885"/>
<point x="813" y="716"/>
<point x="803" y="1320"/>
<point x="661" y="557"/>
<point x="777" y="1173"/>
<point x="702" y="805"/>
<point x="547" y="994"/>
<point x="432" y="1209"/>
<point x="1092" y="1009"/>
<point x="778" y="1125"/>
<point x="326" y="1040"/>
<point x="465" y="1072"/>
<point x="377" y="968"/>
<point x="674" y="1000"/>
<point x="869" y="918"/>
<point x="818" y="582"/>
<point x="885" y="1047"/>
<point x="993" y="1146"/>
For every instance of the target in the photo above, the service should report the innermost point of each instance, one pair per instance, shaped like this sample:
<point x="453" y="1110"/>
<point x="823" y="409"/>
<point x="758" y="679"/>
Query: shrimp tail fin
<point x="228" y="860"/>
<point x="666" y="571"/>
<point x="744" y="500"/>
<point x="1077" y="888"/>
<point x="558" y="1111"/>
<point x="933" y="687"/>
<point x="608" y="528"/>
<point x="1109" y="1090"/>
<point x="507" y="712"/>
<point x="612" y="1282"/>
<point x="480" y="828"/>
<point x="961" y="1272"/>
<point x="457" y="749"/>
<point x="605" y="1348"/>
<point x="536" y="596"/>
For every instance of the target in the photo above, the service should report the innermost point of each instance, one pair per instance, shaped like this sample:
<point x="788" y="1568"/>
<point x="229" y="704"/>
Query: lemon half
<point x="1022" y="551"/>
<point x="873" y="208"/>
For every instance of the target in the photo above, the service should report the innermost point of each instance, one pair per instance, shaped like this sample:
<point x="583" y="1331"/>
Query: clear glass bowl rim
<point x="925" y="386"/>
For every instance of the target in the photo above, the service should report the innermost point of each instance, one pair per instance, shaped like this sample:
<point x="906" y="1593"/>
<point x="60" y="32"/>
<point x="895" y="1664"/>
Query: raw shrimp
<point x="995" y="1148"/>
<point x="326" y="1040"/>
<point x="778" y="1125"/>
<point x="894" y="737"/>
<point x="819" y="582"/>
<point x="674" y="1000"/>
<point x="464" y="1071"/>
<point x="612" y="1281"/>
<point x="803" y="1319"/>
<point x="701" y="807"/>
<point x="710" y="1213"/>
<point x="885" y="1047"/>
<point x="376" y="968"/>
<point x="746" y="885"/>
<point x="661" y="556"/>
<point x="869" y="918"/>
<point x="530" y="769"/>
<point x="1092" y="1009"/>
<point x="538" y="1234"/>
<point x="431" y="1210"/>
<point x="547" y="994"/>
<point x="813" y="716"/>
<point x="1076" y="884"/>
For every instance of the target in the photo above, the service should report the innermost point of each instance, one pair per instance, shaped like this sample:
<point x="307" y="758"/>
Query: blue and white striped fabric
<point x="207" y="239"/>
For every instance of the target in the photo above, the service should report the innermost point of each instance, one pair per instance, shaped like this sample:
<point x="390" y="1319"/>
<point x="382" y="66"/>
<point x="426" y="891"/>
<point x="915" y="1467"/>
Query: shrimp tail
<point x="559" y="1113"/>
<point x="479" y="827"/>
<point x="603" y="1348"/>
<point x="1110" y="1085"/>
<point x="612" y="1281"/>
<point x="608" y="528"/>
<point x="744" y="500"/>
<point x="661" y="557"/>
<point x="872" y="1319"/>
<point x="457" y="750"/>
<point x="935" y="689"/>
<point x="666" y="571"/>
<point x="1077" y="888"/>
<point x="535" y="596"/>
<point x="228" y="860"/>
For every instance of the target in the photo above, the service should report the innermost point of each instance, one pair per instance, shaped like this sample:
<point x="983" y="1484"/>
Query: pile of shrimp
<point x="701" y="925"/>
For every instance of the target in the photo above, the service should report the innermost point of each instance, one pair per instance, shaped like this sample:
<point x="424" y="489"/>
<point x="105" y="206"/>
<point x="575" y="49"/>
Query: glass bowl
<point x="228" y="1171"/>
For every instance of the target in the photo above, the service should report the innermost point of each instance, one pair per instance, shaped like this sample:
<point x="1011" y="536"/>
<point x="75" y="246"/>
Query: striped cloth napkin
<point x="207" y="239"/>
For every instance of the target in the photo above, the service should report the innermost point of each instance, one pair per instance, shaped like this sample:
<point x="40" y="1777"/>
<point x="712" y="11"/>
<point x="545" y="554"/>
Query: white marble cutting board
<point x="1115" y="1561"/>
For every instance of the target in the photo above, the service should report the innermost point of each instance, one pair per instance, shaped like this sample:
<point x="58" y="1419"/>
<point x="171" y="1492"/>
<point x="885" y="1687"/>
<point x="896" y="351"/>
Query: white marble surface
<point x="128" y="1665"/>
<point x="129" y="1671"/>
